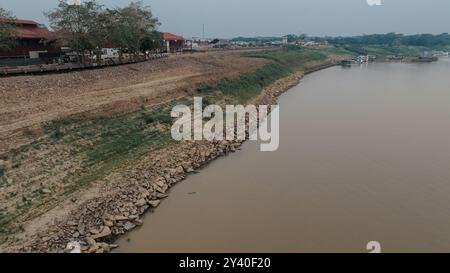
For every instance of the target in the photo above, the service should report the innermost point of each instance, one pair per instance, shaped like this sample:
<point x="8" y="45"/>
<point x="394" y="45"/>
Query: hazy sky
<point x="230" y="18"/>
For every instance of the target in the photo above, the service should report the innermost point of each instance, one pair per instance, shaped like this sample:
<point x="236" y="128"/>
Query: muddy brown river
<point x="364" y="156"/>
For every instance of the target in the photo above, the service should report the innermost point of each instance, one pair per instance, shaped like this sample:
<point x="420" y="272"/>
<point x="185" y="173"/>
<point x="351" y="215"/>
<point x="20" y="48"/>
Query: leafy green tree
<point x="152" y="41"/>
<point x="99" y="34"/>
<point x="7" y="33"/>
<point x="129" y="26"/>
<point x="78" y="25"/>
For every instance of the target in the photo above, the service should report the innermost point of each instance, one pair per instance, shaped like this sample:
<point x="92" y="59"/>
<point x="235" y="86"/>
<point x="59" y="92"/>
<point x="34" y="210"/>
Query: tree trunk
<point x="120" y="55"/>
<point x="99" y="56"/>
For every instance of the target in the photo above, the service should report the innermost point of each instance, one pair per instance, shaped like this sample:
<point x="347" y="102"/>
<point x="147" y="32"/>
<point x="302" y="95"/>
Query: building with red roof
<point x="173" y="43"/>
<point x="32" y="39"/>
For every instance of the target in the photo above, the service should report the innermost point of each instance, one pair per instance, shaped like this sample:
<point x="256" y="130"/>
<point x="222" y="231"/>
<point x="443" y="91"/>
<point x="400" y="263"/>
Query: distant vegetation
<point x="378" y="44"/>
<point x="394" y="39"/>
<point x="256" y="39"/>
<point x="393" y="44"/>
<point x="382" y="50"/>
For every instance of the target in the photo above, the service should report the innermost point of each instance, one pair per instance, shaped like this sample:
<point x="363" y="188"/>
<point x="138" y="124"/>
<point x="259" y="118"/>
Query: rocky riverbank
<point x="62" y="134"/>
<point x="107" y="201"/>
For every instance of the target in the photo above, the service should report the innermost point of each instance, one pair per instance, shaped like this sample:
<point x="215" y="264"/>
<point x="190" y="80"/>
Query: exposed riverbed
<point x="364" y="156"/>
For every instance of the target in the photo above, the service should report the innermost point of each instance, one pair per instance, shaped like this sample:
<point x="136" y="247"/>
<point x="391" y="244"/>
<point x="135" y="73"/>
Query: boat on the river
<point x="423" y="59"/>
<point x="426" y="57"/>
<point x="346" y="63"/>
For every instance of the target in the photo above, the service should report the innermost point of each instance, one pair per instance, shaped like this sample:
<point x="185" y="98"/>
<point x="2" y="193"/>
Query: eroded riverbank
<point x="113" y="205"/>
<point x="98" y="221"/>
<point x="363" y="156"/>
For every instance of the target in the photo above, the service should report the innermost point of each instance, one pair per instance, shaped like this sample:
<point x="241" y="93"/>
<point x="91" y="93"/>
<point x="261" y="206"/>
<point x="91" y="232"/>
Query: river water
<point x="364" y="156"/>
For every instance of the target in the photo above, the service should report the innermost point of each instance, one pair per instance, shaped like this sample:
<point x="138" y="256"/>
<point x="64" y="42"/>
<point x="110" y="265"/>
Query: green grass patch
<point x="100" y="144"/>
<point x="249" y="85"/>
<point x="292" y="57"/>
<point x="124" y="138"/>
<point x="157" y="117"/>
<point x="281" y="64"/>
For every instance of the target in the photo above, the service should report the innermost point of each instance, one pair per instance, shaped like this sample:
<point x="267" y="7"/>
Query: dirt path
<point x="29" y="101"/>
<point x="86" y="102"/>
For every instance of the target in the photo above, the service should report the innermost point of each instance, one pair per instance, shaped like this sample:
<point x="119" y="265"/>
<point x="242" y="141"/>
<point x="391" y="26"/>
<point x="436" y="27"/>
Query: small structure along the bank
<point x="34" y="41"/>
<point x="173" y="43"/>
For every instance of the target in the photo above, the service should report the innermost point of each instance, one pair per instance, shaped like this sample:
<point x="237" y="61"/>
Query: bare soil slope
<point x="31" y="100"/>
<point x="61" y="133"/>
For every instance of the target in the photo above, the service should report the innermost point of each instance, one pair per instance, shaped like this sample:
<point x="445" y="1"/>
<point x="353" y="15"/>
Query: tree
<point x="7" y="33"/>
<point x="78" y="25"/>
<point x="99" y="33"/>
<point x="88" y="26"/>
<point x="131" y="25"/>
<point x="152" y="41"/>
